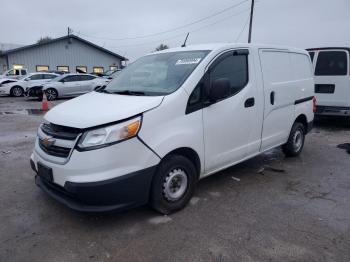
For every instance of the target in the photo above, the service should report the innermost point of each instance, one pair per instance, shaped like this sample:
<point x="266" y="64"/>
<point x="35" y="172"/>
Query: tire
<point x="296" y="140"/>
<point x="51" y="94"/>
<point x="17" y="91"/>
<point x="174" y="171"/>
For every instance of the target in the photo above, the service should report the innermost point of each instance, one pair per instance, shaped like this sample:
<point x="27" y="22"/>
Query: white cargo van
<point x="332" y="80"/>
<point x="170" y="119"/>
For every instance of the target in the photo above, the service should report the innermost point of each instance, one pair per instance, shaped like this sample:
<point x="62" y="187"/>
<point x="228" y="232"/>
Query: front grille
<point x="54" y="150"/>
<point x="62" y="132"/>
<point x="57" y="141"/>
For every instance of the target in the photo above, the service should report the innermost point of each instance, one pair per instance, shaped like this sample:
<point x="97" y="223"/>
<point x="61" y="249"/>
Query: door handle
<point x="250" y="102"/>
<point x="272" y="97"/>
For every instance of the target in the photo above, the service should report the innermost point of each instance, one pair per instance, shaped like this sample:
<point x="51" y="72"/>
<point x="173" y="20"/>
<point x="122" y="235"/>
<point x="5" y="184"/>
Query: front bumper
<point x="116" y="194"/>
<point x="111" y="178"/>
<point x="332" y="110"/>
<point x="35" y="91"/>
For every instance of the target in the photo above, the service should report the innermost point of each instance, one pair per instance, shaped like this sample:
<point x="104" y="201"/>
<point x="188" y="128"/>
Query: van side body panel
<point x="169" y="128"/>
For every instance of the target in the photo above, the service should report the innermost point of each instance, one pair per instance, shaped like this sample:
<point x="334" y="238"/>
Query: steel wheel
<point x="175" y="184"/>
<point x="296" y="140"/>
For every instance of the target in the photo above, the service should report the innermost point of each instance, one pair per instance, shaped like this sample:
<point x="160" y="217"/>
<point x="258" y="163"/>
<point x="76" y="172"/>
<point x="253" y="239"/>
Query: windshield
<point x="158" y="74"/>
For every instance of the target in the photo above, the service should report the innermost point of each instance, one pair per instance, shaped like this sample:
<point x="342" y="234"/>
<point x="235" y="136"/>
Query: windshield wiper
<point x="130" y="93"/>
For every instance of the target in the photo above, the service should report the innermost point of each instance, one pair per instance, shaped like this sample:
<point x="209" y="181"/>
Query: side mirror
<point x="220" y="89"/>
<point x="62" y="80"/>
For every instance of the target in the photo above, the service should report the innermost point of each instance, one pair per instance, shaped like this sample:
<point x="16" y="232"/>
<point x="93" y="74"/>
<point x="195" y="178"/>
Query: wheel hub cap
<point x="298" y="140"/>
<point x="17" y="91"/>
<point x="175" y="184"/>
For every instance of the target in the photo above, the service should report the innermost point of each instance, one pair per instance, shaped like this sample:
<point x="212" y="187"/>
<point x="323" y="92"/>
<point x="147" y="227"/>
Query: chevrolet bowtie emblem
<point x="48" y="141"/>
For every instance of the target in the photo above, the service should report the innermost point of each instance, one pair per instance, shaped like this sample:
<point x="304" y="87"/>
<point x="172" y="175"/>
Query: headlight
<point x="109" y="135"/>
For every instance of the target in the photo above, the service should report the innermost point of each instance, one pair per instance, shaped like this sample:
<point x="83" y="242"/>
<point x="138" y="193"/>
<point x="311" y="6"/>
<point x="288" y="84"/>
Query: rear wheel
<point x="173" y="184"/>
<point x="296" y="140"/>
<point x="17" y="91"/>
<point x="51" y="94"/>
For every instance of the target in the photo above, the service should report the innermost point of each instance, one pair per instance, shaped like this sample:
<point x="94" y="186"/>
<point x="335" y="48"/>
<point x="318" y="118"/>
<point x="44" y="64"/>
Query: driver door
<point x="232" y="129"/>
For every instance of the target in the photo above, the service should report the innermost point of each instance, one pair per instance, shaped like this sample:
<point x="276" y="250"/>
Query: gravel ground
<point x="269" y="208"/>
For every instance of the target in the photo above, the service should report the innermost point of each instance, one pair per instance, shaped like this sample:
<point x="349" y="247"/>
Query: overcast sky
<point x="301" y="23"/>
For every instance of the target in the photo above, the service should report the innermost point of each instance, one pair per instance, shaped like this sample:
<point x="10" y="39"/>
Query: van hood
<point x="95" y="109"/>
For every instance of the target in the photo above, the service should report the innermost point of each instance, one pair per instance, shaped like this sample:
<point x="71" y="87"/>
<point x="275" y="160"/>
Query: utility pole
<point x="251" y="21"/>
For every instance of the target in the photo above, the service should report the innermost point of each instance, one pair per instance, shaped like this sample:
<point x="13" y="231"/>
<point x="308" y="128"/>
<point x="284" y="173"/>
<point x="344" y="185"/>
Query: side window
<point x="234" y="68"/>
<point x="23" y="72"/>
<point x="331" y="63"/>
<point x="71" y="78"/>
<point x="49" y="76"/>
<point x="231" y="66"/>
<point x="17" y="73"/>
<point x="86" y="77"/>
<point x="36" y="77"/>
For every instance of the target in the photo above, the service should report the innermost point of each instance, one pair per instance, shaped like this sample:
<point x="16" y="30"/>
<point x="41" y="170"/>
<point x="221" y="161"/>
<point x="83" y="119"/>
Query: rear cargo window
<point x="331" y="63"/>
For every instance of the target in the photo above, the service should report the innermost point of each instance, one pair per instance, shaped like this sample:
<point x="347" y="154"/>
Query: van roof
<point x="217" y="46"/>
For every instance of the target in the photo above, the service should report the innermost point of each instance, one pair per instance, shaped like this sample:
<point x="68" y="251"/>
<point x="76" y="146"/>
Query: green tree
<point x="162" y="47"/>
<point x="44" y="39"/>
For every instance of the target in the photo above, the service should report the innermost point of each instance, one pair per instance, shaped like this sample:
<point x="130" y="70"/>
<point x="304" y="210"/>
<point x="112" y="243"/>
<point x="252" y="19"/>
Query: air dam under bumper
<point x="115" y="194"/>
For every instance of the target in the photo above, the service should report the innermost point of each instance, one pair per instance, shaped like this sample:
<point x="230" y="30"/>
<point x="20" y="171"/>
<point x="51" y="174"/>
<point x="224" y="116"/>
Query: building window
<point x="63" y="69"/>
<point x="98" y="70"/>
<point x="81" y="69"/>
<point x="113" y="67"/>
<point x="40" y="68"/>
<point x="17" y="66"/>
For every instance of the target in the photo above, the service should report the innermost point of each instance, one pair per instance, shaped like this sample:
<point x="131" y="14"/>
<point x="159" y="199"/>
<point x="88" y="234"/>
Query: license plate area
<point x="324" y="88"/>
<point x="45" y="172"/>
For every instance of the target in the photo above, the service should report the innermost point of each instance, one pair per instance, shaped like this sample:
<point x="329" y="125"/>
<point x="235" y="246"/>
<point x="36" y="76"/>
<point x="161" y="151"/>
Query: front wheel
<point x="296" y="140"/>
<point x="17" y="91"/>
<point x="51" y="94"/>
<point x="173" y="184"/>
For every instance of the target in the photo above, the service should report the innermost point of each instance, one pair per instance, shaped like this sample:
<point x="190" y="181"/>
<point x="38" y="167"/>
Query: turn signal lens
<point x="132" y="129"/>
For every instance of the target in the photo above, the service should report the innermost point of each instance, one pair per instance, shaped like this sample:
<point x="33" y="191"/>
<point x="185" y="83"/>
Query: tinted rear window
<point x="331" y="63"/>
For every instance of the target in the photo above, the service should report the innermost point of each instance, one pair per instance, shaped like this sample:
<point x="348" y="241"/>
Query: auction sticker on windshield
<point x="188" y="61"/>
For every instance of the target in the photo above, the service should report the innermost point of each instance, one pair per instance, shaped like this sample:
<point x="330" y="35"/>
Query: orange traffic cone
<point x="44" y="104"/>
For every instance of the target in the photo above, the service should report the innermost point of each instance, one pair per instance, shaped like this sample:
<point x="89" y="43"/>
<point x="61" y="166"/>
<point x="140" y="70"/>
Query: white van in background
<point x="332" y="80"/>
<point x="170" y="119"/>
<point x="14" y="73"/>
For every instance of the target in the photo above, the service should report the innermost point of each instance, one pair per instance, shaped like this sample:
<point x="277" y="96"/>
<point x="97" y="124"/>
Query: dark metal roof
<point x="63" y="38"/>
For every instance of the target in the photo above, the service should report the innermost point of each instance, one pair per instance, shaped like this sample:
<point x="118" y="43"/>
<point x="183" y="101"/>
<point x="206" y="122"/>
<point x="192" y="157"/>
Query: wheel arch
<point x="190" y="154"/>
<point x="303" y="120"/>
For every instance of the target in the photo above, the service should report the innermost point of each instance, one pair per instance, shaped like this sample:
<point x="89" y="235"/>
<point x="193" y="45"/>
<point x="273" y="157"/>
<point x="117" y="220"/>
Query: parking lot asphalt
<point x="269" y="208"/>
